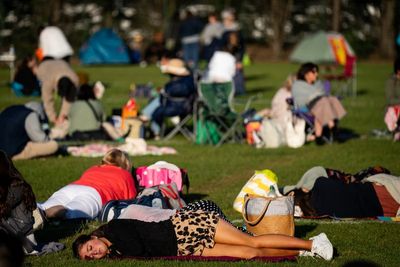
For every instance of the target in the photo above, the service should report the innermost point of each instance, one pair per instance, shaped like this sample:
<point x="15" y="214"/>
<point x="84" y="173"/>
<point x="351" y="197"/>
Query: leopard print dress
<point x="195" y="230"/>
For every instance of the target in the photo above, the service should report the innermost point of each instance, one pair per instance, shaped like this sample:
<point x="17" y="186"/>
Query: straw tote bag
<point x="266" y="215"/>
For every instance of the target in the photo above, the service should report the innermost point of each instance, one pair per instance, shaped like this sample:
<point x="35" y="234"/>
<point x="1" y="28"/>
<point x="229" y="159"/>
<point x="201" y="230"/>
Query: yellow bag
<point x="264" y="215"/>
<point x="259" y="184"/>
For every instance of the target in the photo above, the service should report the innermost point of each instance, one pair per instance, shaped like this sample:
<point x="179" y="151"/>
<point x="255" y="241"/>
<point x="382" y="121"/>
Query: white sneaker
<point x="322" y="247"/>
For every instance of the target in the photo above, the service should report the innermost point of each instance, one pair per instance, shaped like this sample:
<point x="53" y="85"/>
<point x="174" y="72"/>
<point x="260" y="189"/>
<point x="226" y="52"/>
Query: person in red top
<point x="85" y="197"/>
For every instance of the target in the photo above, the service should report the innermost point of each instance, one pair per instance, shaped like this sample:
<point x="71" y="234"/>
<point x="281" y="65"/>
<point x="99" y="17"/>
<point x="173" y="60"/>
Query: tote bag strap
<point x="259" y="218"/>
<point x="96" y="115"/>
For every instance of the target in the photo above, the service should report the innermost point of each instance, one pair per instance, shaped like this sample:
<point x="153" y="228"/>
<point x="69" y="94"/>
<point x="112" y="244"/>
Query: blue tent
<point x="104" y="47"/>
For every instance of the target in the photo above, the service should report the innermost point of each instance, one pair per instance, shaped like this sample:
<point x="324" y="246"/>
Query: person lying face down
<point x="326" y="192"/>
<point x="186" y="233"/>
<point x="85" y="197"/>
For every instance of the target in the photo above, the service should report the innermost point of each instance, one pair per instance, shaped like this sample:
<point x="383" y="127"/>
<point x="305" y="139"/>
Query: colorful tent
<point x="323" y="48"/>
<point x="104" y="47"/>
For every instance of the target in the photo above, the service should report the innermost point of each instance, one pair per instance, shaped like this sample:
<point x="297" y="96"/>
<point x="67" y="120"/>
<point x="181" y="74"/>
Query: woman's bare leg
<point x="318" y="128"/>
<point x="227" y="234"/>
<point x="245" y="252"/>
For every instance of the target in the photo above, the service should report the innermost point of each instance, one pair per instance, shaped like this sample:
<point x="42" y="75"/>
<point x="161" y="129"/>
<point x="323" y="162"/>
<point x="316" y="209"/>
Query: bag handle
<point x="259" y="218"/>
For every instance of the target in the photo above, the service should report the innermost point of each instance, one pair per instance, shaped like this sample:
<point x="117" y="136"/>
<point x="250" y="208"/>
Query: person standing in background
<point x="189" y="33"/>
<point x="211" y="36"/>
<point x="232" y="41"/>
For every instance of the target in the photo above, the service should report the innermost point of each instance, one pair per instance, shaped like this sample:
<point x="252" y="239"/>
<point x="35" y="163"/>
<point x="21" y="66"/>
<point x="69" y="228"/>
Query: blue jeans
<point x="191" y="53"/>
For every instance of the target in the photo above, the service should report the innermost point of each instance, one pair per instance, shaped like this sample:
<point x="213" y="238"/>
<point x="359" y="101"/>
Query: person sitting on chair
<point x="177" y="96"/>
<point x="310" y="96"/>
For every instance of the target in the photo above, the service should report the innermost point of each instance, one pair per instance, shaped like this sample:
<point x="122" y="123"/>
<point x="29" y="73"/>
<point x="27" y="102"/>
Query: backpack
<point x="113" y="208"/>
<point x="170" y="195"/>
<point x="160" y="196"/>
<point x="161" y="173"/>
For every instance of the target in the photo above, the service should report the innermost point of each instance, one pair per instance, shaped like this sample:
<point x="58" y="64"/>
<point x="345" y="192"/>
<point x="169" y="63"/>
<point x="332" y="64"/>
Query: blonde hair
<point x="117" y="158"/>
<point x="289" y="81"/>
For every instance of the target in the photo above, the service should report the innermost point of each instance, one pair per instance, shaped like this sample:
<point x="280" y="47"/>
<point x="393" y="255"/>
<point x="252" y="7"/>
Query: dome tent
<point x="330" y="48"/>
<point x="104" y="47"/>
<point x="322" y="48"/>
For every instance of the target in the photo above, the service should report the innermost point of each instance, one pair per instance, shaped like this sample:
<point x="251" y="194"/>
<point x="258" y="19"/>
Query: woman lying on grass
<point x="186" y="233"/>
<point x="85" y="197"/>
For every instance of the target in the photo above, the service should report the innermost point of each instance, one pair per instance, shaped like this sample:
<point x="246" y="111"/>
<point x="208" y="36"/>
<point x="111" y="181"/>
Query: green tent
<point x="322" y="48"/>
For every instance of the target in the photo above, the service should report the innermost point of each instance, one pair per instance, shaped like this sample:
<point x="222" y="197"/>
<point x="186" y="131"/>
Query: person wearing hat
<point x="177" y="96"/>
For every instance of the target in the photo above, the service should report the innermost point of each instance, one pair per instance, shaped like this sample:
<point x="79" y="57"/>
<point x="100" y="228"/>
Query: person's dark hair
<point x="305" y="68"/>
<point x="86" y="92"/>
<point x="24" y="62"/>
<point x="304" y="201"/>
<point x="10" y="176"/>
<point x="76" y="246"/>
<point x="396" y="65"/>
<point x="213" y="14"/>
<point x="11" y="250"/>
<point x="82" y="239"/>
<point x="66" y="89"/>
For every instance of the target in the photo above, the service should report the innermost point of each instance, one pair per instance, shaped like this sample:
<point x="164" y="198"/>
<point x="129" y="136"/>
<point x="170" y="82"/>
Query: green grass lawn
<point x="219" y="173"/>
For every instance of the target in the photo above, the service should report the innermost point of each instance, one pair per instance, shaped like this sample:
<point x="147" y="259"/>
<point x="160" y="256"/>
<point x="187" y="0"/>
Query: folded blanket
<point x="132" y="146"/>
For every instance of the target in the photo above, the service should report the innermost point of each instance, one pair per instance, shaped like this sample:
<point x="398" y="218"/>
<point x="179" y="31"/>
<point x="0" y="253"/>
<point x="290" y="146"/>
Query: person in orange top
<point x="85" y="197"/>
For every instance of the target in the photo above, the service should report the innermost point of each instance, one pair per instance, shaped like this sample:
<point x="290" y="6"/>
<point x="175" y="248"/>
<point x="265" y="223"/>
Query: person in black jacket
<point x="178" y="94"/>
<point x="191" y="233"/>
<point x="17" y="202"/>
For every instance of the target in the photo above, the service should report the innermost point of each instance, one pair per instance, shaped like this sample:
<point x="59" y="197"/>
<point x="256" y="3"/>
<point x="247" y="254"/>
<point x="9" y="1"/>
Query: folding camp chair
<point x="183" y="126"/>
<point x="215" y="105"/>
<point x="345" y="84"/>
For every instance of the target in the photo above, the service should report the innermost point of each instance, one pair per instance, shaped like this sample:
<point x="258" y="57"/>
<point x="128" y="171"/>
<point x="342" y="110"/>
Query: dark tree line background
<point x="371" y="26"/>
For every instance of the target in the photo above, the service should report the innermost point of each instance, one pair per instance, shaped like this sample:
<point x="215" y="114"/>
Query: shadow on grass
<point x="258" y="90"/>
<point x="192" y="197"/>
<point x="254" y="77"/>
<point x="302" y="230"/>
<point x="359" y="263"/>
<point x="345" y="134"/>
<point x="60" y="230"/>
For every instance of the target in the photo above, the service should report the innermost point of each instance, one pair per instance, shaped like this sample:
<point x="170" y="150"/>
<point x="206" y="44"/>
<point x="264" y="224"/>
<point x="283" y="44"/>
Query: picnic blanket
<point x="132" y="146"/>
<point x="222" y="258"/>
